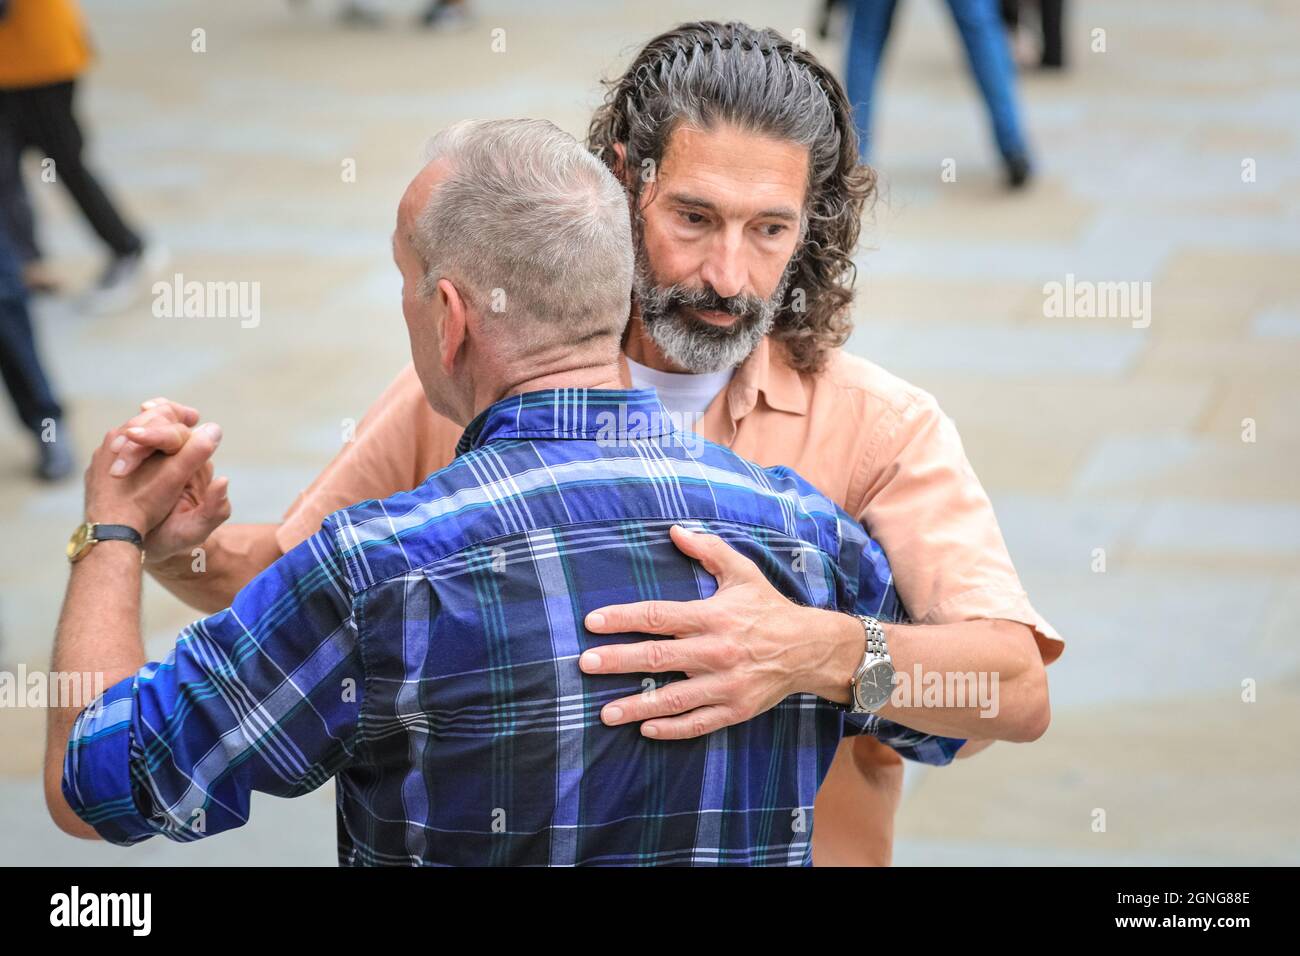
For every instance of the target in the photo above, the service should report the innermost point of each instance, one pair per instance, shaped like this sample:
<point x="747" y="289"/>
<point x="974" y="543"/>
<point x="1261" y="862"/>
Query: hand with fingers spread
<point x="166" y="429"/>
<point x="735" y="647"/>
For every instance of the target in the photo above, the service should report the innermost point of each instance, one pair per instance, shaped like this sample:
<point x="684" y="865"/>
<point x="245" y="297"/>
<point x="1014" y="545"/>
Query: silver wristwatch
<point x="873" y="681"/>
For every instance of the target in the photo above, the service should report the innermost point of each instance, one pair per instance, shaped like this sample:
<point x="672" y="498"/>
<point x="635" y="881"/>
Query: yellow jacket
<point x="41" y="42"/>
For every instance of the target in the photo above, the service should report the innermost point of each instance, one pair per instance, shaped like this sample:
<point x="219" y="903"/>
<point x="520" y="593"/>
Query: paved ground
<point x="1089" y="433"/>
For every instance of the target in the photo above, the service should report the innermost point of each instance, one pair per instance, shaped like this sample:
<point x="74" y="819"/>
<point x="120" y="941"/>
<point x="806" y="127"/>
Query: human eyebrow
<point x="783" y="213"/>
<point x="686" y="199"/>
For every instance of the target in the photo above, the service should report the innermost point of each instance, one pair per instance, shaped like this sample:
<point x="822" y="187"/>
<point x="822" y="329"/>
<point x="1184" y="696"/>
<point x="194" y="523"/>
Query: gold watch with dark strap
<point x="91" y="533"/>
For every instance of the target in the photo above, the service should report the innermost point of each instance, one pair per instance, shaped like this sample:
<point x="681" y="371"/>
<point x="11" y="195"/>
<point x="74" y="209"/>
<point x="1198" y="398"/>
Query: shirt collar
<point x="575" y="413"/>
<point x="767" y="371"/>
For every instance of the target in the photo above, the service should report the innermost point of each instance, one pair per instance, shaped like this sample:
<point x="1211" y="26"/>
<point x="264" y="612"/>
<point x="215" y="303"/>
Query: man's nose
<point x="724" y="269"/>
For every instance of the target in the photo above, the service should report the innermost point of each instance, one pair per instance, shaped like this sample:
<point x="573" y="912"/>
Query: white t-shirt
<point x="682" y="393"/>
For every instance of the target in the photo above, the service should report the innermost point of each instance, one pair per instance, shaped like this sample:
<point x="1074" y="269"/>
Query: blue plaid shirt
<point x="423" y="649"/>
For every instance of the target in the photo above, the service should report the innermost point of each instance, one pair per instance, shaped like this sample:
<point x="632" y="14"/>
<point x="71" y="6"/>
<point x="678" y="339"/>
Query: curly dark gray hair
<point x="704" y="73"/>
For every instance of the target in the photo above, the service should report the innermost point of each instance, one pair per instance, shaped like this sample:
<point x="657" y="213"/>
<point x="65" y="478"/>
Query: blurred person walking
<point x="444" y="16"/>
<point x="24" y="378"/>
<point x="980" y="27"/>
<point x="43" y="52"/>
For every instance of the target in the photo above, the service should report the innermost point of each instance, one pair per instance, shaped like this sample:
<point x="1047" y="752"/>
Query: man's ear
<point x="620" y="164"/>
<point x="454" y="329"/>
<point x="643" y="191"/>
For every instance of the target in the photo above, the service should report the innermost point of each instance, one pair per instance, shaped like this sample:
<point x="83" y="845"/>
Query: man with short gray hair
<point x="424" y="649"/>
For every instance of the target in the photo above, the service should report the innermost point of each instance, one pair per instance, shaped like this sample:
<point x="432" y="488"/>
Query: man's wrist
<point x="836" y="644"/>
<point x="113" y="514"/>
<point x="110" y="550"/>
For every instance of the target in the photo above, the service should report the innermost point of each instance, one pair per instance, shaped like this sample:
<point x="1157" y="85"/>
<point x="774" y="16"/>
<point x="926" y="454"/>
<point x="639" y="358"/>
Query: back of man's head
<point x="532" y="230"/>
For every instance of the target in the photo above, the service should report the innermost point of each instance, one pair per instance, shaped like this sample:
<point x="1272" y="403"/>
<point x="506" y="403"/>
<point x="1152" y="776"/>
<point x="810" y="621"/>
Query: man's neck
<point x="607" y="375"/>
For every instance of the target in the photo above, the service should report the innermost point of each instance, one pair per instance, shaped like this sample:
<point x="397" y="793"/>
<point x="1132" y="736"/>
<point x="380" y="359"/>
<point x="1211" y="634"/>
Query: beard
<point x="687" y="340"/>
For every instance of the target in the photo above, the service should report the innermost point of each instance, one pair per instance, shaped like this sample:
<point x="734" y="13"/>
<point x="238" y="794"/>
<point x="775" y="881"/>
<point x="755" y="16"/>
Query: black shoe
<point x="55" y="458"/>
<point x="1018" y="171"/>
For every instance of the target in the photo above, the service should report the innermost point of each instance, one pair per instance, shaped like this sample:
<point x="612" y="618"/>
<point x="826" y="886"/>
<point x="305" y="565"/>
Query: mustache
<point x="672" y="298"/>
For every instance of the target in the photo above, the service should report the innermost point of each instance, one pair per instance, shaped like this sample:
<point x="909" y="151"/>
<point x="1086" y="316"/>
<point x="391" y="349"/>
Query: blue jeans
<point x="987" y="51"/>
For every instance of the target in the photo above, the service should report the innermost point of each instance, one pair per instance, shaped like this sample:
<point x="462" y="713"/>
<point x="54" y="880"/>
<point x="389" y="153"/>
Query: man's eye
<point x="773" y="229"/>
<point x="694" y="218"/>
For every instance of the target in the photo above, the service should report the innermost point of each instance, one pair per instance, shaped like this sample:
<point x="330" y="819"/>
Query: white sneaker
<point x="125" y="280"/>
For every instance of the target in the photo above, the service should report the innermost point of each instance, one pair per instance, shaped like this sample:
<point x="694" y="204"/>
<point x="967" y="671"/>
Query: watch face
<point x="78" y="543"/>
<point x="875" y="685"/>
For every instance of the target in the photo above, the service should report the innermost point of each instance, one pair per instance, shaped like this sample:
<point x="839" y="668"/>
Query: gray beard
<point x="692" y="343"/>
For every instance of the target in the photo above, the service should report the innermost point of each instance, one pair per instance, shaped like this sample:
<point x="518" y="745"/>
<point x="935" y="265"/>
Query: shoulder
<point x="380" y="538"/>
<point x="891" y="420"/>
<point x="855" y="379"/>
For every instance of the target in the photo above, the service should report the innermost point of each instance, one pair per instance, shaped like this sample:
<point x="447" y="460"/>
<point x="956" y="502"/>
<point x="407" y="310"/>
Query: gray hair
<point x="531" y="228"/>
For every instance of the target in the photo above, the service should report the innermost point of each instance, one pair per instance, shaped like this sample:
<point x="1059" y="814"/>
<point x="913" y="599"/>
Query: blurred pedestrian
<point x="439" y="15"/>
<point x="43" y="52"/>
<point x="24" y="378"/>
<point x="980" y="27"/>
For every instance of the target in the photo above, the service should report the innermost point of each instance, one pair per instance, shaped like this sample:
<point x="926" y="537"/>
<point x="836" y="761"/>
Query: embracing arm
<point x="208" y="576"/>
<point x="737" y="647"/>
<point x="999" y="658"/>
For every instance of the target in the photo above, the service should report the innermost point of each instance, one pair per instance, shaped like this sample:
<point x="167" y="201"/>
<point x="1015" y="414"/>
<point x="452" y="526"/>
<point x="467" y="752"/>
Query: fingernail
<point x="595" y="619"/>
<point x="589" y="661"/>
<point x="611" y="714"/>
<point x="148" y="404"/>
<point x="137" y="431"/>
<point x="650" y="730"/>
<point x="117" y="444"/>
<point x="118" y="468"/>
<point x="214" y="432"/>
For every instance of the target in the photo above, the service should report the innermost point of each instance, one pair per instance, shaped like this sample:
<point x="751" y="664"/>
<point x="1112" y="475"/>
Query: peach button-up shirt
<point x="876" y="445"/>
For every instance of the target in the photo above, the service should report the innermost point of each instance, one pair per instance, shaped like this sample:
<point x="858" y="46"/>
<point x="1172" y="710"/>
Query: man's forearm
<point x="996" y="665"/>
<point x="231" y="557"/>
<point x="98" y="635"/>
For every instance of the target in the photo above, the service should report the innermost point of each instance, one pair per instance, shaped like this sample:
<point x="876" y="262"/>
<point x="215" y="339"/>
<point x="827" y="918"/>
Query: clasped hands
<point x="155" y="474"/>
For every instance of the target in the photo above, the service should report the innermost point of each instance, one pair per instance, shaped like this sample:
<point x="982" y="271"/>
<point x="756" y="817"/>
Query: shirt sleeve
<point x="865" y="564"/>
<point x="922" y="501"/>
<point x="399" y="442"/>
<point x="263" y="696"/>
